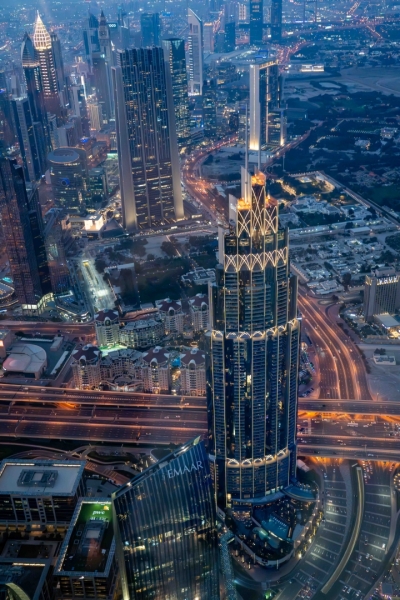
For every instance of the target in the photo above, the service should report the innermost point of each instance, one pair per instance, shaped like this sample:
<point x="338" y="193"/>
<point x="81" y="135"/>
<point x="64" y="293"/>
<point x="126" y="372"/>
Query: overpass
<point x="356" y="407"/>
<point x="351" y="453"/>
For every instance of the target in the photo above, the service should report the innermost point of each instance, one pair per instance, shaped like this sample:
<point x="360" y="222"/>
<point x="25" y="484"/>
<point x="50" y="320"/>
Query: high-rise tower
<point x="30" y="139"/>
<point x="256" y="22"/>
<point x="196" y="52"/>
<point x="101" y="64"/>
<point x="44" y="51"/>
<point x="253" y="350"/>
<point x="165" y="520"/>
<point x="146" y="137"/>
<point x="174" y="56"/>
<point x="17" y="219"/>
<point x="150" y="29"/>
<point x="264" y="98"/>
<point x="276" y="20"/>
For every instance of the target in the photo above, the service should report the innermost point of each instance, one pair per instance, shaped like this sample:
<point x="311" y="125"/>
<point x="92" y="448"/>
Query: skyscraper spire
<point x="28" y="54"/>
<point x="41" y="37"/>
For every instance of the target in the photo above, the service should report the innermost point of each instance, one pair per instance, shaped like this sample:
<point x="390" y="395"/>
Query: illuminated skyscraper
<point x="276" y="20"/>
<point x="196" y="51"/>
<point x="254" y="350"/>
<point x="165" y="530"/>
<point x="147" y="147"/>
<point x="174" y="56"/>
<point x="256" y="22"/>
<point x="44" y="51"/>
<point x="264" y="98"/>
<point x="210" y="108"/>
<point x="17" y="218"/>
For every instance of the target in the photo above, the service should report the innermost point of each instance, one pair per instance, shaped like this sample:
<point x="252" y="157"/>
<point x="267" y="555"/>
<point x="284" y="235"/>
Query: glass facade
<point x="165" y="530"/>
<point x="17" y="232"/>
<point x="253" y="349"/>
<point x="269" y="100"/>
<point x="174" y="52"/>
<point x="256" y="22"/>
<point x="145" y="107"/>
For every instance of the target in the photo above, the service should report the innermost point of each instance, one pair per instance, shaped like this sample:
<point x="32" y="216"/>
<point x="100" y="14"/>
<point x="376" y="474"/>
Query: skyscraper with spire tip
<point x="101" y="64"/>
<point x="45" y="55"/>
<point x="253" y="354"/>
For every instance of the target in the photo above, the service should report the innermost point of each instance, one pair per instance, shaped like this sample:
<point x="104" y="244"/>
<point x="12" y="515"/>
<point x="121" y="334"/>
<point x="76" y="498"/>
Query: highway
<point x="35" y="394"/>
<point x="340" y="359"/>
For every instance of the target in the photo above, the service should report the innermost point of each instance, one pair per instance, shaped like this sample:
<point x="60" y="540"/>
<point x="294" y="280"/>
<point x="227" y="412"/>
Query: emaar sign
<point x="194" y="467"/>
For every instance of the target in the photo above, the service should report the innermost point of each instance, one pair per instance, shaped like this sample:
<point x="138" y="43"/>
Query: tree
<point x="100" y="264"/>
<point x="346" y="279"/>
<point x="168" y="248"/>
<point x="150" y="257"/>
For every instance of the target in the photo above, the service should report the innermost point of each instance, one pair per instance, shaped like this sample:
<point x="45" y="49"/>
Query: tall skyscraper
<point x="44" y="51"/>
<point x="7" y="134"/>
<point x="55" y="238"/>
<point x="146" y="138"/>
<point x="37" y="230"/>
<point x="276" y="20"/>
<point x="165" y="529"/>
<point x="16" y="221"/>
<point x="256" y="22"/>
<point x="253" y="353"/>
<point x="59" y="66"/>
<point x="101" y="65"/>
<point x="34" y="88"/>
<point x="210" y="108"/>
<point x="196" y="51"/>
<point x="230" y="36"/>
<point x="91" y="37"/>
<point x="175" y="58"/>
<point x="264" y="98"/>
<point x="150" y="28"/>
<point x="31" y="145"/>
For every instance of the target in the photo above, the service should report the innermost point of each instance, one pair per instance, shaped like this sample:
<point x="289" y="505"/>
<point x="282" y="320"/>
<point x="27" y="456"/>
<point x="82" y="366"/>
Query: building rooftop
<point x="63" y="156"/>
<point x="195" y="357"/>
<point x="23" y="578"/>
<point x="102" y="315"/>
<point x="37" y="477"/>
<point x="199" y="301"/>
<point x="156" y="354"/>
<point x="25" y="358"/>
<point x="87" y="353"/>
<point x="89" y="545"/>
<point x="167" y="305"/>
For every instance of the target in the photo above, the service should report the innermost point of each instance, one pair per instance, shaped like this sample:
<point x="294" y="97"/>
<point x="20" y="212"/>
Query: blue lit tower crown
<point x="253" y="348"/>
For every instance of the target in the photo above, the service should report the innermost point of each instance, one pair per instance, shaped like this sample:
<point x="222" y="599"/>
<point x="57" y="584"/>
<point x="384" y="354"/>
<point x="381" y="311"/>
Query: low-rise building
<point x="86" y="367"/>
<point x="39" y="492"/>
<point x="155" y="370"/>
<point x="199" y="276"/>
<point x="199" y="311"/>
<point x="86" y="567"/>
<point x="25" y="360"/>
<point x="122" y="367"/>
<point x="106" y="324"/>
<point x="172" y="315"/>
<point x="144" y="332"/>
<point x="193" y="373"/>
<point x="381" y="293"/>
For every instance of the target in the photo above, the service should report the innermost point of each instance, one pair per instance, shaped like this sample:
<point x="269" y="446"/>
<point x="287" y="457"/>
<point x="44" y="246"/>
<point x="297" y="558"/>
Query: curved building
<point x="68" y="173"/>
<point x="165" y="527"/>
<point x="254" y="342"/>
